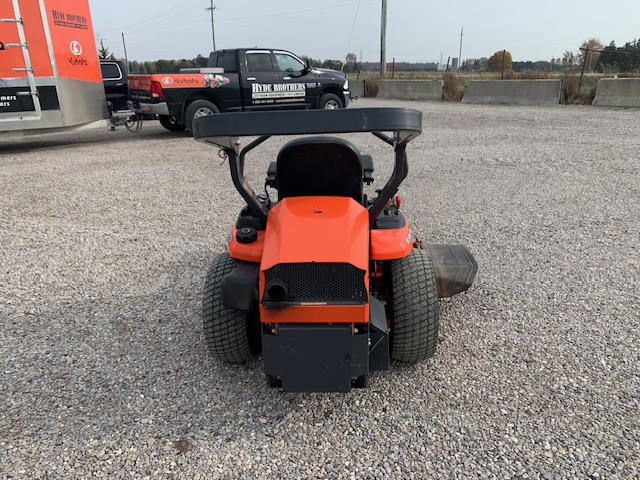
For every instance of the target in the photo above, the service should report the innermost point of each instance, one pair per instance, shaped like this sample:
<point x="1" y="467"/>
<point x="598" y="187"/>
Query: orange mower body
<point x="325" y="282"/>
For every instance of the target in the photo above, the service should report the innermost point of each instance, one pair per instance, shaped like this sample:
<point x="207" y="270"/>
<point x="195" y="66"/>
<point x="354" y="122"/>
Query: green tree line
<point x="621" y="59"/>
<point x="611" y="58"/>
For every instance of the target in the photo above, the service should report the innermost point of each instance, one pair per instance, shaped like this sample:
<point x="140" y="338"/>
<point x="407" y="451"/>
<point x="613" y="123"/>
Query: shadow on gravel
<point x="10" y="145"/>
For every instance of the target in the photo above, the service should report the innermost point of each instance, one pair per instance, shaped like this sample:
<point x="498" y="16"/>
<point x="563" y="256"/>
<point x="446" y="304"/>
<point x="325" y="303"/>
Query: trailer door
<point x="24" y="53"/>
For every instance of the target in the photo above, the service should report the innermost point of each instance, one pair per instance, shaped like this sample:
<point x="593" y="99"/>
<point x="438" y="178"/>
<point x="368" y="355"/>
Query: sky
<point x="417" y="30"/>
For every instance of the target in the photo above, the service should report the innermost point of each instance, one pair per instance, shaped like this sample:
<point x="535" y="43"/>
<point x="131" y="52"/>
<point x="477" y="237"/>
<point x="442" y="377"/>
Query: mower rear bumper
<point x="316" y="358"/>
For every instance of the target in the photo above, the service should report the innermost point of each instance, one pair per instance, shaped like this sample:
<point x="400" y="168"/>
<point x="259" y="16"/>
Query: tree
<point x="621" y="59"/>
<point x="351" y="62"/>
<point x="500" y="61"/>
<point x="103" y="52"/>
<point x="200" y="61"/>
<point x="569" y="58"/>
<point x="333" y="64"/>
<point x="593" y="46"/>
<point x="165" y="66"/>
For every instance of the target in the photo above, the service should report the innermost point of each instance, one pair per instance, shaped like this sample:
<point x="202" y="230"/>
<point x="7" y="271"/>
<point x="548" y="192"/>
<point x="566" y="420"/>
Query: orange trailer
<point x="49" y="69"/>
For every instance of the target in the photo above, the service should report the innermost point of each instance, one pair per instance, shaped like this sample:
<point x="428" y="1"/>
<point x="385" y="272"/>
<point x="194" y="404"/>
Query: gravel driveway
<point x="105" y="238"/>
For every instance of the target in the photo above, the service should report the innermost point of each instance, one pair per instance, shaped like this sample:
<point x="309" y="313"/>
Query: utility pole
<point x="126" y="59"/>
<point x="460" y="54"/>
<point x="213" y="33"/>
<point x="383" y="39"/>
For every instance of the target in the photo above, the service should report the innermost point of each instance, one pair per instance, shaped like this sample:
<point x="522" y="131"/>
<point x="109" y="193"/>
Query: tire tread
<point x="415" y="316"/>
<point x="226" y="330"/>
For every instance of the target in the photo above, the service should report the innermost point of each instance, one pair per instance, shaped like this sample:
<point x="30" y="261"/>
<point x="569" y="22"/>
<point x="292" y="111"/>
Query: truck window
<point x="110" y="71"/>
<point x="288" y="63"/>
<point x="259" y="62"/>
<point x="227" y="61"/>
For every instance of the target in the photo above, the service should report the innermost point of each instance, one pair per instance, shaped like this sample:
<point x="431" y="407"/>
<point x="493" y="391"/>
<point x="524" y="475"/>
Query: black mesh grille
<point x="319" y="282"/>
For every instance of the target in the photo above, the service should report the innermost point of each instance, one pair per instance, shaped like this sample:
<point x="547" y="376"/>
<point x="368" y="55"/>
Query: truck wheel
<point x="169" y="122"/>
<point x="330" y="101"/>
<point x="199" y="108"/>
<point x="414" y="323"/>
<point x="230" y="334"/>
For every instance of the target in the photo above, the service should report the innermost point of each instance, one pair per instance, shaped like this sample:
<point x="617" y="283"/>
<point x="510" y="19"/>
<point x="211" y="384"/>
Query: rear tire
<point x="199" y="108"/>
<point x="230" y="334"/>
<point x="330" y="101"/>
<point x="169" y="122"/>
<point x="415" y="322"/>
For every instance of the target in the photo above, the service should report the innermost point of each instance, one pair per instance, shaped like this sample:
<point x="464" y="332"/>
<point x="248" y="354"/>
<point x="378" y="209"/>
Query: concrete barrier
<point x="617" y="92"/>
<point x="411" y="89"/>
<point x="518" y="92"/>
<point x="357" y="88"/>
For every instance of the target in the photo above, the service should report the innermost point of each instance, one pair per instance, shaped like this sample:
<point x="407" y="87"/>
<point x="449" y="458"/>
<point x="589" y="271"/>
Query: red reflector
<point x="398" y="201"/>
<point x="156" y="90"/>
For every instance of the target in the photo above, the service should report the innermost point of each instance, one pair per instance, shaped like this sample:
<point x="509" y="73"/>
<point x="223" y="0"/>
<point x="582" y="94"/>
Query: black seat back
<point x="319" y="166"/>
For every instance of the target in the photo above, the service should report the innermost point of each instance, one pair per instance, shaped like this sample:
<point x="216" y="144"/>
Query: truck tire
<point x="169" y="122"/>
<point x="230" y="334"/>
<point x="198" y="108"/>
<point x="414" y="322"/>
<point x="330" y="101"/>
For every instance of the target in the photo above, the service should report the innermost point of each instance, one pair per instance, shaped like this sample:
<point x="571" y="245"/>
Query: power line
<point x="295" y="12"/>
<point x="182" y="7"/>
<point x="355" y="17"/>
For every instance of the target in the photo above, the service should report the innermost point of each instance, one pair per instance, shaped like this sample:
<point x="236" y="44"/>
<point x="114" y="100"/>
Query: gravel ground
<point x="105" y="238"/>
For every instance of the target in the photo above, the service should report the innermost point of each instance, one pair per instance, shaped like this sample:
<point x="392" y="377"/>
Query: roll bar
<point x="395" y="126"/>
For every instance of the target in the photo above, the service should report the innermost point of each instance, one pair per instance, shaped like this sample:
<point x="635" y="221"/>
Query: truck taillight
<point x="156" y="90"/>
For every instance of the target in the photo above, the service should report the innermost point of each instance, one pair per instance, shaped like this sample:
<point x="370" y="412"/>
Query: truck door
<point x="266" y="87"/>
<point x="295" y="71"/>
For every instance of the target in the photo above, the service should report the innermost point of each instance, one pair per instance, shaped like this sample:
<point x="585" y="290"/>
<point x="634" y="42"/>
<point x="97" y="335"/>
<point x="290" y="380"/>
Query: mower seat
<point x="319" y="166"/>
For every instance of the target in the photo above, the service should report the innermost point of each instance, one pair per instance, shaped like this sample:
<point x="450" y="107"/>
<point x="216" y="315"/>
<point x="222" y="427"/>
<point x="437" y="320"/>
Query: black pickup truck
<point x="237" y="80"/>
<point x="114" y="78"/>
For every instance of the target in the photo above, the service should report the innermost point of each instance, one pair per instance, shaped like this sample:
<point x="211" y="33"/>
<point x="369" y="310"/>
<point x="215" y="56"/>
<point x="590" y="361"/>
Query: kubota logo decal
<point x="75" y="47"/>
<point x="1" y="46"/>
<point x="167" y="80"/>
<point x="214" y="81"/>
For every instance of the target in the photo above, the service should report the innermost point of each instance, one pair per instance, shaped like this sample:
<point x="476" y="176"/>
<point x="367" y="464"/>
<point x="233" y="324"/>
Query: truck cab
<point x="277" y="79"/>
<point x="237" y="80"/>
